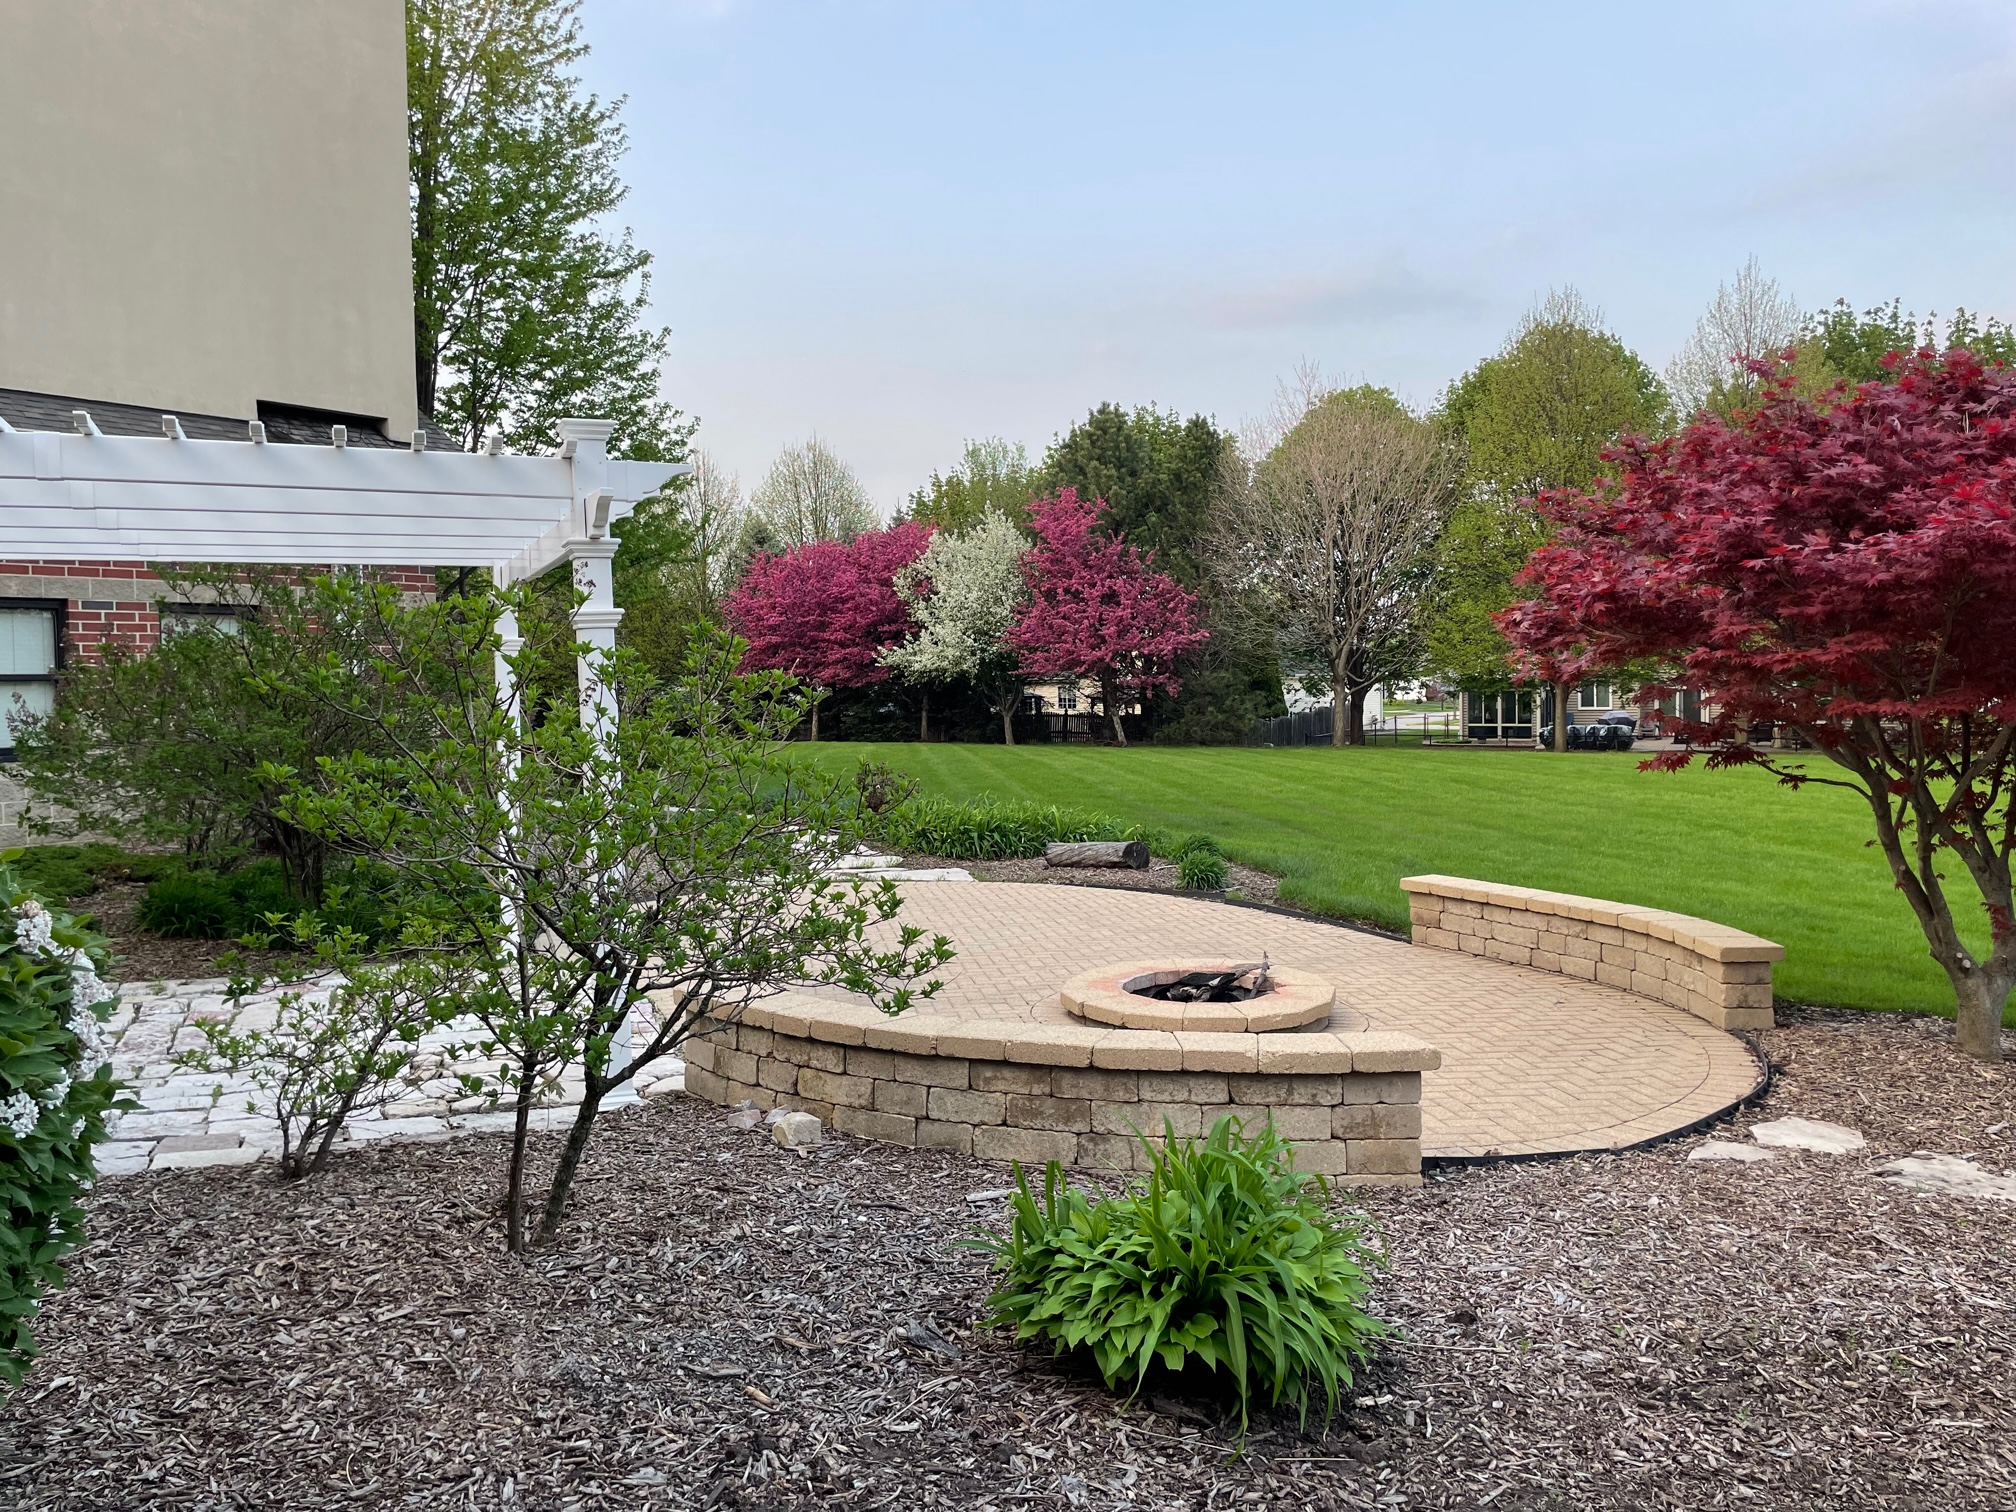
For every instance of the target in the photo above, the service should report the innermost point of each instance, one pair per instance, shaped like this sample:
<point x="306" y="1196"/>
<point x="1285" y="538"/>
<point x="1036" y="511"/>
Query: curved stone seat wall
<point x="1350" y="1103"/>
<point x="1714" y="972"/>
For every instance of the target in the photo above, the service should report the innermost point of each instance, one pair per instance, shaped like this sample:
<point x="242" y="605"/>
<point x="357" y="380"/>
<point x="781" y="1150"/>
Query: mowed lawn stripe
<point x="1340" y="828"/>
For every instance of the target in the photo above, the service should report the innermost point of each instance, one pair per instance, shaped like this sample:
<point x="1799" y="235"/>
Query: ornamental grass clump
<point x="55" y="1088"/>
<point x="1224" y="1260"/>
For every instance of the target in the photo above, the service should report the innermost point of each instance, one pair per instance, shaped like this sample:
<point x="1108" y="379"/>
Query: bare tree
<point x="811" y="495"/>
<point x="715" y="511"/>
<point x="1322" y="530"/>
<point x="1753" y="318"/>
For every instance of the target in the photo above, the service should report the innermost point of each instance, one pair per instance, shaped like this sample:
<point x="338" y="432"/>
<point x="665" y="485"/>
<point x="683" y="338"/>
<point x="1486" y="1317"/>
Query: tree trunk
<point x="570" y="1159"/>
<point x="1561" y="715"/>
<point x="1108" y="694"/>
<point x="924" y="716"/>
<point x="815" y="721"/>
<point x="1007" y="722"/>
<point x="514" y="1183"/>
<point x="1357" y="707"/>
<point x="1980" y="997"/>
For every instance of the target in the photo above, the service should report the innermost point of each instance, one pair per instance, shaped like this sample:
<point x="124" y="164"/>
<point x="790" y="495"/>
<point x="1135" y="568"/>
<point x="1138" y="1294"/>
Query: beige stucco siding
<point x="203" y="204"/>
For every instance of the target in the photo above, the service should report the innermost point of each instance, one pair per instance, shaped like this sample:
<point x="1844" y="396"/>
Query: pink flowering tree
<point x="1097" y="609"/>
<point x="826" y="611"/>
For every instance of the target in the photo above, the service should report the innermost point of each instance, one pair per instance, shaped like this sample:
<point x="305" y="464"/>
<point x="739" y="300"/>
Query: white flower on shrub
<point x="53" y="1094"/>
<point x="93" y="1050"/>
<point x="32" y="929"/>
<point x="19" y="1114"/>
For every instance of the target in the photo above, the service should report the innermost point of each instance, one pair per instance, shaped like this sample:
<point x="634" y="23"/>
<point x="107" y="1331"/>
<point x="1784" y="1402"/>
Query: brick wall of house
<point x="119" y="602"/>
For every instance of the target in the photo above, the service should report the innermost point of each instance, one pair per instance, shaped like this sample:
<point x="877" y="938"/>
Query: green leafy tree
<point x="171" y="747"/>
<point x="673" y="870"/>
<point x="525" y="309"/>
<point x="964" y="593"/>
<point x="1852" y="346"/>
<point x="1535" y="416"/>
<point x="992" y="478"/>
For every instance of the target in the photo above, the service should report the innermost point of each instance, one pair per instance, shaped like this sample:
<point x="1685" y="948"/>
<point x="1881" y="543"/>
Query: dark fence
<point x="1312" y="727"/>
<point x="1304" y="727"/>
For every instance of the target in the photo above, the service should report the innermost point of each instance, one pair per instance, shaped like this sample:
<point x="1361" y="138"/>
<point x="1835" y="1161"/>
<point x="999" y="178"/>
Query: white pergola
<point x="88" y="496"/>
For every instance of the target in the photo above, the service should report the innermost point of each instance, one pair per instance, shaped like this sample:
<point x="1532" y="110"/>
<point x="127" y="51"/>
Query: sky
<point x="899" y="225"/>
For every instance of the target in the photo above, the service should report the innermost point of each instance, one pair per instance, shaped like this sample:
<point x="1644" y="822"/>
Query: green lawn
<point x="1340" y="828"/>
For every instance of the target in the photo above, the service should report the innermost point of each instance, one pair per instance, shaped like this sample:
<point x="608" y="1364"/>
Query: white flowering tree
<point x="964" y="593"/>
<point x="56" y="1087"/>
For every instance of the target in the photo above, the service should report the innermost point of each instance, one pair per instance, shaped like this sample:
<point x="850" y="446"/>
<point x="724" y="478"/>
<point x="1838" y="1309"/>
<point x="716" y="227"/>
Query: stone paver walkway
<point x="1532" y="1063"/>
<point x="194" y="1118"/>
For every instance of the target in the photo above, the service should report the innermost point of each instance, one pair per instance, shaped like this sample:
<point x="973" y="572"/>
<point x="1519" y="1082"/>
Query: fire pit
<point x="1221" y="995"/>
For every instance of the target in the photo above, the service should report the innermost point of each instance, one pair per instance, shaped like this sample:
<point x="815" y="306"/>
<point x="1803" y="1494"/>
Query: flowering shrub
<point x="55" y="1089"/>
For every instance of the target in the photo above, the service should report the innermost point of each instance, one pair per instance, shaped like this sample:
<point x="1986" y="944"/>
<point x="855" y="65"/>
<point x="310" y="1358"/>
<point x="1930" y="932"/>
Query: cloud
<point x="1320" y="300"/>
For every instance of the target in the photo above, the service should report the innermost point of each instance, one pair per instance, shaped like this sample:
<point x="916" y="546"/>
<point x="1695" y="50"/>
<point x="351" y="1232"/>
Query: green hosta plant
<point x="1225" y="1258"/>
<point x="55" y="1090"/>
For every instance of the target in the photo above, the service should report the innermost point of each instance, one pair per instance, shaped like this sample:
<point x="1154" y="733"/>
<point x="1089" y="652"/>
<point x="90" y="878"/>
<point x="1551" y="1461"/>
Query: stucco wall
<point x="205" y="204"/>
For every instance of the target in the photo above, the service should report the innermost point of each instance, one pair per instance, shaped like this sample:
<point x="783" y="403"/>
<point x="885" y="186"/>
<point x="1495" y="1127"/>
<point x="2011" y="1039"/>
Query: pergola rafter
<point x="168" y="499"/>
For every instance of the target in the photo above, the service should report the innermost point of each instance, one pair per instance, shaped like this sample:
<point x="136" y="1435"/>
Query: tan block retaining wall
<point x="1350" y="1103"/>
<point x="1714" y="972"/>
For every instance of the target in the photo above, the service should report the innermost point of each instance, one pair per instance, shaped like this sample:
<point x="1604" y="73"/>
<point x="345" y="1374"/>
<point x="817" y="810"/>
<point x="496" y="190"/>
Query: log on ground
<point x="1115" y="853"/>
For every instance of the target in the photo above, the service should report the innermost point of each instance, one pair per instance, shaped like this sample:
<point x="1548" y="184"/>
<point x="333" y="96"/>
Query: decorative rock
<point x="745" y="1115"/>
<point x="1954" y="1175"/>
<point x="796" y="1131"/>
<point x="1808" y="1134"/>
<point x="1722" y="1149"/>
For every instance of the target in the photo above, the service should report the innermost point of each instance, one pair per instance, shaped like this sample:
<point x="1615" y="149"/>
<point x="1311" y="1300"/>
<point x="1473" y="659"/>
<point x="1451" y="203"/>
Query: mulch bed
<point x="729" y="1325"/>
<point x="1243" y="882"/>
<point x="141" y="956"/>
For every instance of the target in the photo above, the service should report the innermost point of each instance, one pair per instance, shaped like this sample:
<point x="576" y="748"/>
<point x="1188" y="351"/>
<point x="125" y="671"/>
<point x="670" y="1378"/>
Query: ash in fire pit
<point x="1234" y="984"/>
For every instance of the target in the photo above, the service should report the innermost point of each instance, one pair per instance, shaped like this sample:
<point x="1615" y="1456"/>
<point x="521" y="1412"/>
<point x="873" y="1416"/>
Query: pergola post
<point x="592" y="559"/>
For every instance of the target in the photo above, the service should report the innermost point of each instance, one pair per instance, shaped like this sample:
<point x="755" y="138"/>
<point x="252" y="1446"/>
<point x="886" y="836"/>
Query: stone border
<point x="1349" y="1103"/>
<point x="1103" y="996"/>
<point x="1714" y="972"/>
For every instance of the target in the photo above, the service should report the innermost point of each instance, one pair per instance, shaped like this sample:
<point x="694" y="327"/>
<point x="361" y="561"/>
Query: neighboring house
<point x="206" y="218"/>
<point x="1518" y="714"/>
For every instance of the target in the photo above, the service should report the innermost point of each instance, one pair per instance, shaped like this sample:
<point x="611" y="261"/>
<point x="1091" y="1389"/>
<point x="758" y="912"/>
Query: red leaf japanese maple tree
<point x="827" y="610"/>
<point x="1844" y="566"/>
<point x="1098" y="609"/>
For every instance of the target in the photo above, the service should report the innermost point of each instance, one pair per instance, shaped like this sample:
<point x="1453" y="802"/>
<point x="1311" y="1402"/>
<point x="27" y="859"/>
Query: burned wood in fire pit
<point x="1234" y="984"/>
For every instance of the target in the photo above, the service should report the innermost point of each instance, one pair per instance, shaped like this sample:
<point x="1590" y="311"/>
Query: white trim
<point x="111" y="498"/>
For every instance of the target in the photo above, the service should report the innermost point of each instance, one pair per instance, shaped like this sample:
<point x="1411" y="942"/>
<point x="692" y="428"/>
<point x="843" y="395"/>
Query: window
<point x="1595" y="695"/>
<point x="179" y="619"/>
<point x="1067" y="696"/>
<point x="28" y="643"/>
<point x="1500" y="716"/>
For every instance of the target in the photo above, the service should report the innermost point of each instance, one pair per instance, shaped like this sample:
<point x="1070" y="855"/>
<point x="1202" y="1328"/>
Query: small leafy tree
<point x="56" y="1087"/>
<point x="825" y="612"/>
<point x="172" y="746"/>
<point x="1097" y="608"/>
<point x="345" y="1036"/>
<point x="1846" y="569"/>
<point x="675" y="867"/>
<point x="964" y="593"/>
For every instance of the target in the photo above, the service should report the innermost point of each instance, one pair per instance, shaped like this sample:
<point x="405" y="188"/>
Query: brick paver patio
<point x="1532" y="1062"/>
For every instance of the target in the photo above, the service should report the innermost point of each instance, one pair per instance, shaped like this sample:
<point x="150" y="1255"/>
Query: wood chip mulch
<point x="732" y="1326"/>
<point x="142" y="957"/>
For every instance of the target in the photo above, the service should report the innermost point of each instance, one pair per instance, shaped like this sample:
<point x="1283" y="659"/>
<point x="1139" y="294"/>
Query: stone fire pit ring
<point x="1103" y="996"/>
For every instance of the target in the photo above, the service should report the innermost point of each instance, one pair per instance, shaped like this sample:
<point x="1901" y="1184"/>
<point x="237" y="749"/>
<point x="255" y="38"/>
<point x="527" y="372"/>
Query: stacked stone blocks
<point x="1349" y="1103"/>
<point x="1717" y="973"/>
